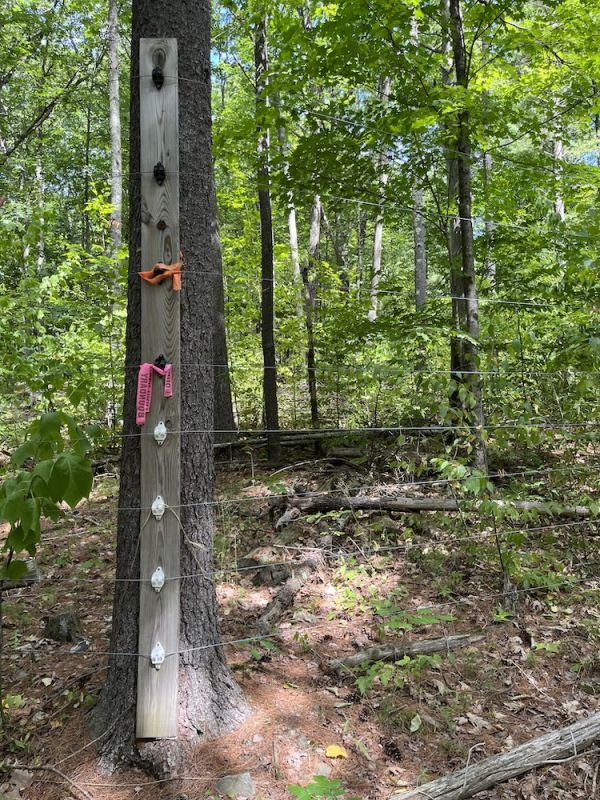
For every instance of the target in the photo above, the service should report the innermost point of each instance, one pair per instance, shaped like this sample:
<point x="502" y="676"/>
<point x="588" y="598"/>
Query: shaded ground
<point x="380" y="578"/>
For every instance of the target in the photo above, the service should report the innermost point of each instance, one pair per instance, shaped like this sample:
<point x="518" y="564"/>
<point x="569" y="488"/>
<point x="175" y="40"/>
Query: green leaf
<point x="71" y="479"/>
<point x="15" y="570"/>
<point x="27" y="450"/>
<point x="13" y="506"/>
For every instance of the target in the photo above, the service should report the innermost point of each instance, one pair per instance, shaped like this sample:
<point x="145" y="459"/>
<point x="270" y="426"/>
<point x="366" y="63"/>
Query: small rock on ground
<point x="237" y="787"/>
<point x="65" y="627"/>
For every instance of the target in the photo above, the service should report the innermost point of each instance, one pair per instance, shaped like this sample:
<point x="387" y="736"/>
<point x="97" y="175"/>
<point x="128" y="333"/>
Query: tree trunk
<point x="453" y="237"/>
<point x="225" y="427"/>
<point x="420" y="252"/>
<point x="291" y="217"/>
<point x="382" y="161"/>
<point x="361" y="236"/>
<point x="266" y="238"/>
<point x="490" y="225"/>
<point x="558" y="151"/>
<point x="468" y="280"/>
<point x="209" y="700"/>
<point x="114" y="115"/>
<point x="309" y="279"/>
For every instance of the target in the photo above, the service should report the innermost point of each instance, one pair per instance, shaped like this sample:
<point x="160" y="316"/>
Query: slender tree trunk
<point x="266" y="236"/>
<point x="114" y="115"/>
<point x="490" y="225"/>
<point x="382" y="161"/>
<point x="309" y="278"/>
<point x="453" y="234"/>
<point x="418" y="218"/>
<point x="85" y="219"/>
<point x="361" y="237"/>
<point x="339" y="241"/>
<point x="41" y="191"/>
<point x="225" y="427"/>
<point x="420" y="251"/>
<point x="209" y="700"/>
<point x="463" y="147"/>
<point x="558" y="151"/>
<point x="291" y="217"/>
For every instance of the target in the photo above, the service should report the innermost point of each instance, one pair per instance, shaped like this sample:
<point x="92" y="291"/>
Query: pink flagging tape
<point x="144" y="389"/>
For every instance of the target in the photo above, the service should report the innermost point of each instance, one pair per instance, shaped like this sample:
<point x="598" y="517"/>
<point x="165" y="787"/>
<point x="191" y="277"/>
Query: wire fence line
<point x="373" y="550"/>
<point x="262" y="637"/>
<point x="359" y="490"/>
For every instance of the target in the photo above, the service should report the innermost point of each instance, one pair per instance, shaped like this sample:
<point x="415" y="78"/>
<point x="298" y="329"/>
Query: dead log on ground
<point x="408" y="503"/>
<point x="402" y="649"/>
<point x="285" y="596"/>
<point x="551" y="748"/>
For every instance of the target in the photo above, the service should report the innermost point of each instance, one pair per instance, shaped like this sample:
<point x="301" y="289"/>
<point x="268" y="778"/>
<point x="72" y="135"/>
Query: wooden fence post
<point x="160" y="463"/>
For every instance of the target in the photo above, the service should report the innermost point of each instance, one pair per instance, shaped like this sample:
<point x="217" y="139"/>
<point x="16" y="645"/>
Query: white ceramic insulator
<point x="160" y="433"/>
<point x="157" y="656"/>
<point x="157" y="581"/>
<point x="158" y="507"/>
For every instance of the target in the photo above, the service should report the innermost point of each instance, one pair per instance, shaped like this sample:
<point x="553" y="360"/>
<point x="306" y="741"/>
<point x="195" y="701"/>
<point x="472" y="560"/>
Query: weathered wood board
<point x="160" y="465"/>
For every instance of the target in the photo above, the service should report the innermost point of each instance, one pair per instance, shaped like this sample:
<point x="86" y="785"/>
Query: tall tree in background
<point x="210" y="701"/>
<point x="114" y="113"/>
<point x="383" y="177"/>
<point x="309" y="279"/>
<point x="468" y="284"/>
<point x="224" y="421"/>
<point x="267" y="307"/>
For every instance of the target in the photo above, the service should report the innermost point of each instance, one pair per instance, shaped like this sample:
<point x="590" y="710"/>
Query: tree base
<point x="210" y="704"/>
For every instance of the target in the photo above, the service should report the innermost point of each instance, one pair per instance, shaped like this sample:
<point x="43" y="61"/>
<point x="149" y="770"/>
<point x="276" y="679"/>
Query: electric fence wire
<point x="344" y="554"/>
<point x="359" y="490"/>
<point x="479" y="599"/>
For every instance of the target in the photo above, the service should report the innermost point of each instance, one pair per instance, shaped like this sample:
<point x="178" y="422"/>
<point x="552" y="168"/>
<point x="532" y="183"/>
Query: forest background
<point x="361" y="116"/>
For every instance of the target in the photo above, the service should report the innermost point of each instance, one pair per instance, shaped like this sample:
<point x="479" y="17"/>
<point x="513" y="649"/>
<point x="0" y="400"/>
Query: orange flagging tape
<point x="161" y="272"/>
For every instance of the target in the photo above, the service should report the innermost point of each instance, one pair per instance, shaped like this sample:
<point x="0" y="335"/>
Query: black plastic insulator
<point x="158" y="77"/>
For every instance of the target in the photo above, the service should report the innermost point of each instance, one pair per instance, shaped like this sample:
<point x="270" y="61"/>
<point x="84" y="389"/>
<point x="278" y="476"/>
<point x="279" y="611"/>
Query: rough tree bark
<point x="210" y="702"/>
<point x="267" y="306"/>
<point x="382" y="162"/>
<point x="468" y="278"/>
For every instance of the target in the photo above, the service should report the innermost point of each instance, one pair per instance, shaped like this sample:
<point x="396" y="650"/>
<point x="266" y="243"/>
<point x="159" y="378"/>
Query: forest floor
<point x="381" y="577"/>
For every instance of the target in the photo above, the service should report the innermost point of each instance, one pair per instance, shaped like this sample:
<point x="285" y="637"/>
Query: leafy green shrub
<point x="47" y="470"/>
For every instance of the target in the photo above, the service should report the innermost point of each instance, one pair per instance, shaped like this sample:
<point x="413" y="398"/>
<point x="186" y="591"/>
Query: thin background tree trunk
<point x="309" y="278"/>
<point x="225" y="427"/>
<point x="114" y="115"/>
<point x="420" y="251"/>
<point x="463" y="147"/>
<point x="266" y="237"/>
<point x="382" y="161"/>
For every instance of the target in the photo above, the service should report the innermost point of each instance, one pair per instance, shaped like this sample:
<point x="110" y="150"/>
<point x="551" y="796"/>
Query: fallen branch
<point x="400" y="650"/>
<point x="408" y="503"/>
<point x="285" y="596"/>
<point x="552" y="748"/>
